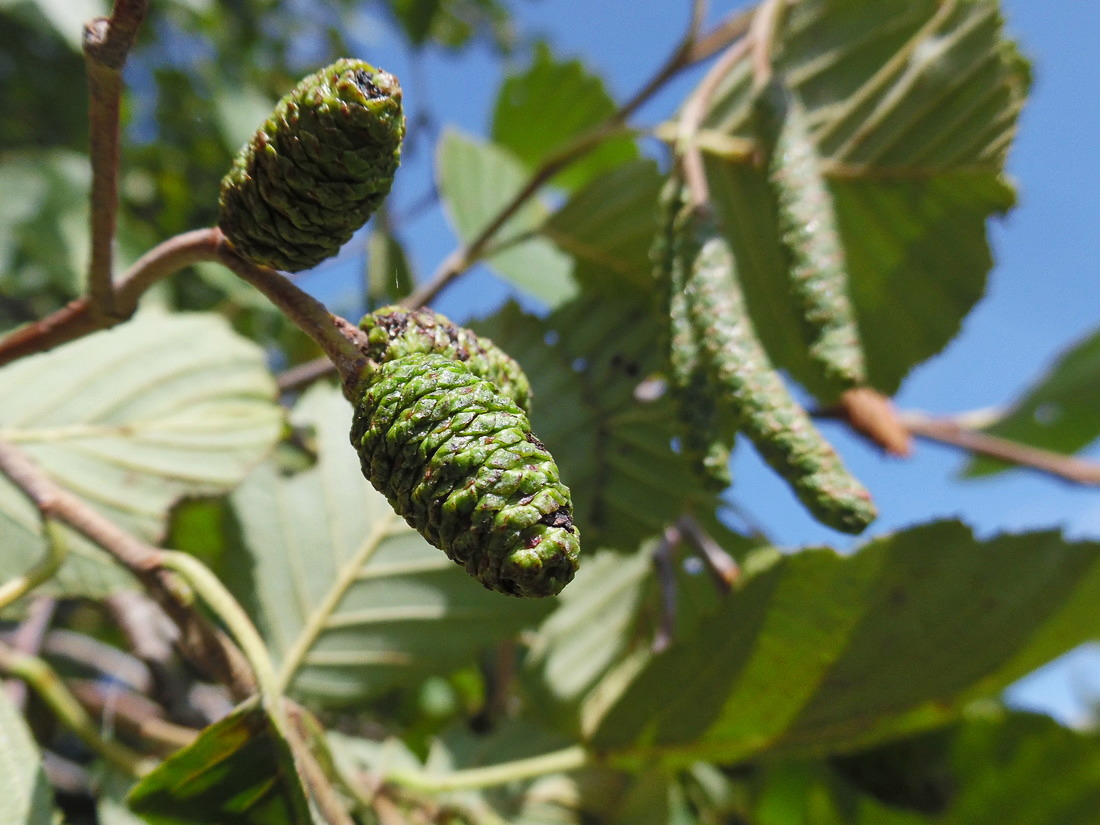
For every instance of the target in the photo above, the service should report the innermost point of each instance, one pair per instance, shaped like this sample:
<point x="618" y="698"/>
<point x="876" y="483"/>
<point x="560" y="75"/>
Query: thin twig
<point x="722" y="565"/>
<point x="107" y="41"/>
<point x="79" y="317"/>
<point x="763" y="32"/>
<point x="207" y="648"/>
<point x="683" y="55"/>
<point x="44" y="680"/>
<point x="950" y="431"/>
<point x="692" y="118"/>
<point x="663" y="561"/>
<point x="28" y="638"/>
<point x="133" y="714"/>
<point x="341" y="341"/>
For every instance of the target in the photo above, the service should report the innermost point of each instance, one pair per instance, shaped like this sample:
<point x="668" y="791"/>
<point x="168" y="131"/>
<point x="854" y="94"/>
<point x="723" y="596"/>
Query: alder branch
<point x="683" y="55"/>
<point x="107" y="42"/>
<point x="80" y="317"/>
<point x="949" y="431"/>
<point x="210" y="650"/>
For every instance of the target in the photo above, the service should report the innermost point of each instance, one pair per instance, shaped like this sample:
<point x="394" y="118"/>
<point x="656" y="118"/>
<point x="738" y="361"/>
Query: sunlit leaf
<point x="131" y="420"/>
<point x="608" y="228"/>
<point x="551" y="102"/>
<point x="895" y="638"/>
<point x="476" y="180"/>
<point x="351" y="599"/>
<point x="913" y="107"/>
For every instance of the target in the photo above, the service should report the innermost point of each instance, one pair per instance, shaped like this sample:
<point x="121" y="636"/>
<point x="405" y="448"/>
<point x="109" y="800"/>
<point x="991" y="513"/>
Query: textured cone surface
<point x="763" y="408"/>
<point x="808" y="231"/>
<point x="457" y="459"/>
<point x="394" y="332"/>
<point x="317" y="169"/>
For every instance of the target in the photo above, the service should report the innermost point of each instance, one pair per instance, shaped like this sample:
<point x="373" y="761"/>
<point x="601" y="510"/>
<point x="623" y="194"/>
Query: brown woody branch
<point x="949" y="431"/>
<point x="81" y="316"/>
<point x="107" y="42"/>
<point x="208" y="648"/>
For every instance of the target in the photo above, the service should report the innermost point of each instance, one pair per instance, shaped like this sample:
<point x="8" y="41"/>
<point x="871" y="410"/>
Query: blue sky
<point x="1042" y="296"/>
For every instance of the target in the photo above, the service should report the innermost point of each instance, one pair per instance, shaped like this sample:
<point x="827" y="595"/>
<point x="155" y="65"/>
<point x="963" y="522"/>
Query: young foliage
<point x="1058" y="412"/>
<point x="540" y="110"/>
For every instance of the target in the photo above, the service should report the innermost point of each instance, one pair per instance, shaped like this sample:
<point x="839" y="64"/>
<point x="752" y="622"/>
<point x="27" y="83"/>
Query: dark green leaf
<point x="239" y="771"/>
<point x="825" y="653"/>
<point x="608" y="228"/>
<point x="613" y="446"/>
<point x="553" y="101"/>
<point x="1060" y="412"/>
<point x="913" y="107"/>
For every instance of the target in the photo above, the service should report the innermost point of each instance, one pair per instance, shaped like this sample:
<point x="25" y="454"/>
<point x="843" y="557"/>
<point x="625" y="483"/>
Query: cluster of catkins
<point x="718" y="369"/>
<point x="440" y="423"/>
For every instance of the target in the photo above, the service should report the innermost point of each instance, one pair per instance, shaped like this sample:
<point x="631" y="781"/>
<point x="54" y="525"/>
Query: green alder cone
<point x="394" y="332"/>
<point x="808" y="231"/>
<point x="317" y="169"/>
<point x="457" y="459"/>
<point x="706" y="433"/>
<point x="759" y="400"/>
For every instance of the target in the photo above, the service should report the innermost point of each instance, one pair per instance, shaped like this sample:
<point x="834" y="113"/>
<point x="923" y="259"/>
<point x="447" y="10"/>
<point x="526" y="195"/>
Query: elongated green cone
<point x="457" y="459"/>
<point x="394" y="332"/>
<point x="317" y="169"/>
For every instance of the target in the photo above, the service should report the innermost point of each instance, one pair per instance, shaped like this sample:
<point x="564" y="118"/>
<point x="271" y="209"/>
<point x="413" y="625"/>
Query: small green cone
<point x="316" y="170"/>
<point x="457" y="459"/>
<point x="394" y="332"/>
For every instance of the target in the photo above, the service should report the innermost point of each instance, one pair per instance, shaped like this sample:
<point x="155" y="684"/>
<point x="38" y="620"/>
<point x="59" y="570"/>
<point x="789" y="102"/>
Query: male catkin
<point x="756" y="395"/>
<point x="316" y="170"/>
<point x="809" y="233"/>
<point x="457" y="459"/>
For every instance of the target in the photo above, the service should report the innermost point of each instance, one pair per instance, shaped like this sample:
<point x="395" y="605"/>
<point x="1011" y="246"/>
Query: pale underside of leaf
<point x="131" y="420"/>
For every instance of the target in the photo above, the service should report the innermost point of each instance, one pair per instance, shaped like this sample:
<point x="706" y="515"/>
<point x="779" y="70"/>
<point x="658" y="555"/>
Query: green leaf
<point x="608" y="228"/>
<point x="913" y="107"/>
<point x="602" y="632"/>
<point x="476" y="180"/>
<point x="239" y="770"/>
<point x="25" y="795"/>
<point x="614" y="449"/>
<point x="543" y="108"/>
<point x="895" y="638"/>
<point x="351" y="600"/>
<point x="1059" y="412"/>
<point x="997" y="768"/>
<point x="132" y="420"/>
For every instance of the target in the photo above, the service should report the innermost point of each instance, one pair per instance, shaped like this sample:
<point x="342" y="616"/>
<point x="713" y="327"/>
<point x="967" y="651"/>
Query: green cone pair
<point x="453" y="452"/>
<point x="317" y="169"/>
